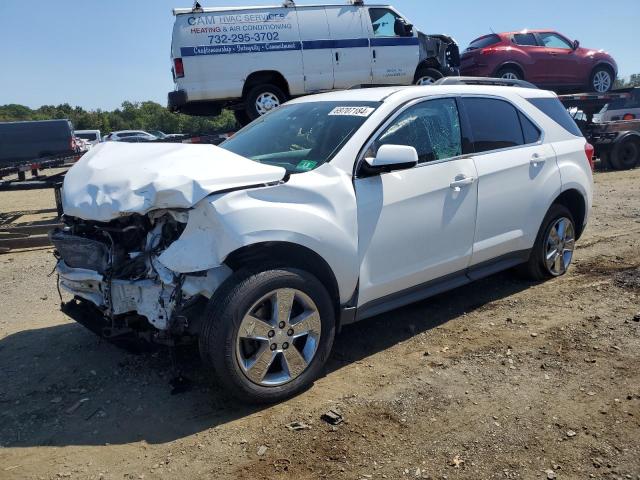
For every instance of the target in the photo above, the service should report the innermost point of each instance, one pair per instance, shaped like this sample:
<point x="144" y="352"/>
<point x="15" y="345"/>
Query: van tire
<point x="535" y="268"/>
<point x="226" y="313"/>
<point x="267" y="95"/>
<point x="427" y="76"/>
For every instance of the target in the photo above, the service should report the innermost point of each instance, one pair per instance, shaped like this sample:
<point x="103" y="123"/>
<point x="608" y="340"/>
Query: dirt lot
<point x="499" y="379"/>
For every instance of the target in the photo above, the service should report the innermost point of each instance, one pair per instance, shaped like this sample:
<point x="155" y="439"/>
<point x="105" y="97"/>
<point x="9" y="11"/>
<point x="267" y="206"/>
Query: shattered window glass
<point x="384" y="22"/>
<point x="432" y="128"/>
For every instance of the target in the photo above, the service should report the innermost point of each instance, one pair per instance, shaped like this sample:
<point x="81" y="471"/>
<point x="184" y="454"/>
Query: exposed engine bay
<point x="115" y="266"/>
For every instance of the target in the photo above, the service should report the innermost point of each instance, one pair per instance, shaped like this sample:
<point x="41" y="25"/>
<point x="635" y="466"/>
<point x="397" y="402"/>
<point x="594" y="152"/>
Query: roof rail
<point x="503" y="82"/>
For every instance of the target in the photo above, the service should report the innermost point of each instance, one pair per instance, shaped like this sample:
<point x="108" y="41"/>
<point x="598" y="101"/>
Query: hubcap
<point x="278" y="338"/>
<point x="602" y="81"/>
<point x="559" y="246"/>
<point x="426" y="81"/>
<point x="266" y="102"/>
<point x="509" y="76"/>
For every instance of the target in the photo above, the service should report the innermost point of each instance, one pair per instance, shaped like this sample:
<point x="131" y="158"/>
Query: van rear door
<point x="350" y="46"/>
<point x="318" y="62"/>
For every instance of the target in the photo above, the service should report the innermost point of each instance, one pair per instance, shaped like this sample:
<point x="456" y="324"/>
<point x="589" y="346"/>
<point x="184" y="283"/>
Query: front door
<point x="395" y="53"/>
<point x="349" y="46"/>
<point x="417" y="225"/>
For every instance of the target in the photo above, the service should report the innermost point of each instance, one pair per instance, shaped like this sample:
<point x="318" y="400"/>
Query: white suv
<point x="331" y="209"/>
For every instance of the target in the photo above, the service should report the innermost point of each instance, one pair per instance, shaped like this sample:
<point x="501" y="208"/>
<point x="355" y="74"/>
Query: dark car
<point x="542" y="57"/>
<point x="22" y="142"/>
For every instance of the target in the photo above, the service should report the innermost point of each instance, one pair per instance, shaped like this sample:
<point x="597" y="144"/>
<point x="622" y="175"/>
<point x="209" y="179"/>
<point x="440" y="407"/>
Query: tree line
<point x="130" y="116"/>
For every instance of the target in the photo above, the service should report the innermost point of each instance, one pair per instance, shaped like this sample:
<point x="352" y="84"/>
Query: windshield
<point x="303" y="136"/>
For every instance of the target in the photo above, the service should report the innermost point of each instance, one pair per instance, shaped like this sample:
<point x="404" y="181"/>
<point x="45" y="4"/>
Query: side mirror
<point x="392" y="157"/>
<point x="576" y="44"/>
<point x="402" y="28"/>
<point x="408" y="29"/>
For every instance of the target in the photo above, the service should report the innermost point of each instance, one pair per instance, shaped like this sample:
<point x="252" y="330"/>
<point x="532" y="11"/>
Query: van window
<point x="554" y="110"/>
<point x="494" y="124"/>
<point x="385" y="23"/>
<point x="302" y="136"/>
<point x="431" y="127"/>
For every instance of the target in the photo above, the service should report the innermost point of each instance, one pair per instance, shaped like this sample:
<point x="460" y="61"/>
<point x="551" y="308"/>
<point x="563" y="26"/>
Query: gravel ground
<point x="499" y="379"/>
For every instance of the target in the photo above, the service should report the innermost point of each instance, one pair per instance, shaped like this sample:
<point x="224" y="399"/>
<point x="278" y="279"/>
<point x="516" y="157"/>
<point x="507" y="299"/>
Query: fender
<point x="326" y="223"/>
<point x="627" y="134"/>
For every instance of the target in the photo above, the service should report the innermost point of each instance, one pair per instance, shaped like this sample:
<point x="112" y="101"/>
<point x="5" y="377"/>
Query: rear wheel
<point x="427" y="76"/>
<point x="262" y="99"/>
<point x="625" y="155"/>
<point x="267" y="335"/>
<point x="509" y="73"/>
<point x="601" y="80"/>
<point x="552" y="253"/>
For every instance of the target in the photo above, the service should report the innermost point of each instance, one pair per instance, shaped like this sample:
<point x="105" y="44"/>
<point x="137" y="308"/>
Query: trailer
<point x="616" y="143"/>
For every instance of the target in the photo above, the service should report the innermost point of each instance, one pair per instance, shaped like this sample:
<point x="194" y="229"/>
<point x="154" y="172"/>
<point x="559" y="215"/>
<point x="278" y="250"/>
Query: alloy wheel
<point x="278" y="337"/>
<point x="602" y="81"/>
<point x="426" y="81"/>
<point x="509" y="76"/>
<point x="559" y="246"/>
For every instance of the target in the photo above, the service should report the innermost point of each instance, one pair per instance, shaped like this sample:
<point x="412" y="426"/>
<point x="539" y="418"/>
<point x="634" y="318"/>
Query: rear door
<point x="517" y="177"/>
<point x="395" y="54"/>
<point x="349" y="46"/>
<point x="317" y="61"/>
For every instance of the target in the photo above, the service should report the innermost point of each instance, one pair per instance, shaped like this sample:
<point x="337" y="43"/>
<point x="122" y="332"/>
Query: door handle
<point x="374" y="54"/>
<point x="537" y="159"/>
<point x="337" y="56"/>
<point x="553" y="54"/>
<point x="461" y="181"/>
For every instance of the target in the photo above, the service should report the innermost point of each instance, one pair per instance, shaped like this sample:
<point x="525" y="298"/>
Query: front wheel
<point x="427" y="76"/>
<point x="552" y="253"/>
<point x="267" y="335"/>
<point x="601" y="80"/>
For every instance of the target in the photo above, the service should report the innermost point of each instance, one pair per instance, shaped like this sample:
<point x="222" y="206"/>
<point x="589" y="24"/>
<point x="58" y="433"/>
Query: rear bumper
<point x="178" y="101"/>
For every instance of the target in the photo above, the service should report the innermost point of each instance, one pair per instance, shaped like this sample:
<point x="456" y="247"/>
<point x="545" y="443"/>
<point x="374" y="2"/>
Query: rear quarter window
<point x="484" y="42"/>
<point x="553" y="109"/>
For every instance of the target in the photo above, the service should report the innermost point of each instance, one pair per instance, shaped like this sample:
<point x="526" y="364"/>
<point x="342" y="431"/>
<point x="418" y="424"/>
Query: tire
<point x="261" y="99"/>
<point x="510" y="73"/>
<point x="241" y="117"/>
<point x="427" y="76"/>
<point x="601" y="80"/>
<point x="536" y="267"/>
<point x="233" y="357"/>
<point x="625" y="155"/>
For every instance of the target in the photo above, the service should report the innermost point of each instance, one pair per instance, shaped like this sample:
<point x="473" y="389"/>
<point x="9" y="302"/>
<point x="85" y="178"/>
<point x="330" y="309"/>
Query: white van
<point x="253" y="59"/>
<point x="93" y="137"/>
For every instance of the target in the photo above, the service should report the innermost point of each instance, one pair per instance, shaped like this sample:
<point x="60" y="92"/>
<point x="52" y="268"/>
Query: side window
<point x="494" y="124"/>
<point x="431" y="127"/>
<point x="525" y="39"/>
<point x="386" y="23"/>
<point x="529" y="130"/>
<point x="552" y="40"/>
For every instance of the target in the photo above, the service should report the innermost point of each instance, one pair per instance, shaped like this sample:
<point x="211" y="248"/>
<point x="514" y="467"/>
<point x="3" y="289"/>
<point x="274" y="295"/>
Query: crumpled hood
<point x="116" y="179"/>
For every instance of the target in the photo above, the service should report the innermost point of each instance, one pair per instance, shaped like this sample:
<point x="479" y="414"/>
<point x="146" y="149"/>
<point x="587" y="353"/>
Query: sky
<point x="99" y="53"/>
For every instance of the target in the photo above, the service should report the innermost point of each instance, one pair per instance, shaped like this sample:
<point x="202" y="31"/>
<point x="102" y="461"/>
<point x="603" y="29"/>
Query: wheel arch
<point x="266" y="76"/>
<point x="287" y="254"/>
<point x="510" y="64"/>
<point x="577" y="205"/>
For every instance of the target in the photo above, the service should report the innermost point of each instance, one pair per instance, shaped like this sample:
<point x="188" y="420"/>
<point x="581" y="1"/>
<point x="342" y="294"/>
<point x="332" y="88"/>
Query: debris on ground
<point x="332" y="417"/>
<point x="262" y="449"/>
<point x="297" y="426"/>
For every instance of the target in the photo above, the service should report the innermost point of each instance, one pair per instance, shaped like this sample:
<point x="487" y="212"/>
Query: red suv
<point x="542" y="57"/>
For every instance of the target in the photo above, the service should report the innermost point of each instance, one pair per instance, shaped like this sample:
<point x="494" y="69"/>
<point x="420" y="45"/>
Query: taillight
<point x="178" y="67"/>
<point x="589" y="151"/>
<point x="629" y="116"/>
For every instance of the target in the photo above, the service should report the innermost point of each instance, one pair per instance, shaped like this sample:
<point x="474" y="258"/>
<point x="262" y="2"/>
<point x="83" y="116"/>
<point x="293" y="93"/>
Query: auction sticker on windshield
<point x="352" y="111"/>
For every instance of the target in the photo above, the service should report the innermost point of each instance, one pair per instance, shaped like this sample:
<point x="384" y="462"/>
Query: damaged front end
<point x="440" y="51"/>
<point x="120" y="286"/>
